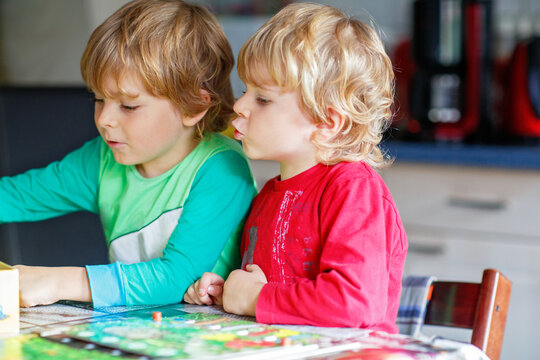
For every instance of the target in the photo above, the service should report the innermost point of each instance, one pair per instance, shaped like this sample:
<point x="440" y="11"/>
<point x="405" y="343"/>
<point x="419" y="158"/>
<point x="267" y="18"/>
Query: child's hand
<point x="207" y="290"/>
<point x="34" y="286"/>
<point x="46" y="285"/>
<point x="241" y="290"/>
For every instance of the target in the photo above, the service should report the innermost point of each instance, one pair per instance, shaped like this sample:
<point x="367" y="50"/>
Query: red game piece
<point x="286" y="341"/>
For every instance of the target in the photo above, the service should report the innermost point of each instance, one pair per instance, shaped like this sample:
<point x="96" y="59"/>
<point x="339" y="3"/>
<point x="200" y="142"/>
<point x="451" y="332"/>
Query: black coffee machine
<point x="451" y="48"/>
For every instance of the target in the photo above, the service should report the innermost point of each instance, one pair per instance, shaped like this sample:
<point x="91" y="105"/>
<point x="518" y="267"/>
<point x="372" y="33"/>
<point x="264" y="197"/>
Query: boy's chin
<point x="123" y="160"/>
<point x="251" y="154"/>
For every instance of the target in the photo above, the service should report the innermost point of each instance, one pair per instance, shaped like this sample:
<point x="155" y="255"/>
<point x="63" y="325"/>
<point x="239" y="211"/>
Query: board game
<point x="183" y="331"/>
<point x="33" y="347"/>
<point x="199" y="336"/>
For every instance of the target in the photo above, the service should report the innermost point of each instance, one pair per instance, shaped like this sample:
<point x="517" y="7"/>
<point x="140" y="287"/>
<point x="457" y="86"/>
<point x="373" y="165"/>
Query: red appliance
<point x="522" y="95"/>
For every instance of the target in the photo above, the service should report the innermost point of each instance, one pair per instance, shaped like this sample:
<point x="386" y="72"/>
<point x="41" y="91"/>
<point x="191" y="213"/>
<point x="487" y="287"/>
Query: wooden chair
<point x="481" y="307"/>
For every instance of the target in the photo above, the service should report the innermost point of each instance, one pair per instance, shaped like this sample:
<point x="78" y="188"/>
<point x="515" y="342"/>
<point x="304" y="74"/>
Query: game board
<point x="188" y="331"/>
<point x="32" y="347"/>
<point x="199" y="336"/>
<point x="383" y="346"/>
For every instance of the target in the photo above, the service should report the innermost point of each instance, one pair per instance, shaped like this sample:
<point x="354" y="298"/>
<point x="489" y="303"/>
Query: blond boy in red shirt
<point x="324" y="244"/>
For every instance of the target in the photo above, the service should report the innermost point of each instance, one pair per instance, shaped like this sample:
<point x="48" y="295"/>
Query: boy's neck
<point x="288" y="170"/>
<point x="161" y="166"/>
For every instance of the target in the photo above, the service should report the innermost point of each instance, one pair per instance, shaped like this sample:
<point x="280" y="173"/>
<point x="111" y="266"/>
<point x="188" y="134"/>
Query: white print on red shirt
<point x="282" y="229"/>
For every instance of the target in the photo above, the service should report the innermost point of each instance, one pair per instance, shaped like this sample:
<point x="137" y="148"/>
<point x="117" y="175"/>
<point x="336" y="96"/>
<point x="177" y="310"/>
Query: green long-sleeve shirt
<point x="162" y="233"/>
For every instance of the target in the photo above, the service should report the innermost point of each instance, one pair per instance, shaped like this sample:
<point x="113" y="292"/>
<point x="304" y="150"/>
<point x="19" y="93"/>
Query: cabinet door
<point x="460" y="221"/>
<point x="477" y="199"/>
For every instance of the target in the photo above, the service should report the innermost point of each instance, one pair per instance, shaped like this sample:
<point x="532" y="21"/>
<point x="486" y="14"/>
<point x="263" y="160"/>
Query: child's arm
<point x="360" y="267"/>
<point x="242" y="289"/>
<point x="207" y="290"/>
<point x="62" y="187"/>
<point x="211" y="217"/>
<point x="46" y="285"/>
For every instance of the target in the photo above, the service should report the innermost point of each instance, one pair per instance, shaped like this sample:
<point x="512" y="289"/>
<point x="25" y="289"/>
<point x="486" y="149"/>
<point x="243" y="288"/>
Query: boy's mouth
<point x="114" y="144"/>
<point x="238" y="135"/>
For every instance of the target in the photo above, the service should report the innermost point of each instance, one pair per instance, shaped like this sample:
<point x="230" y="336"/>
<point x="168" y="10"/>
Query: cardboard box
<point x="9" y="300"/>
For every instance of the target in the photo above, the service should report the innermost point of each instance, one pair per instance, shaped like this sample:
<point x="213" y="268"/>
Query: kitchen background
<point x="469" y="199"/>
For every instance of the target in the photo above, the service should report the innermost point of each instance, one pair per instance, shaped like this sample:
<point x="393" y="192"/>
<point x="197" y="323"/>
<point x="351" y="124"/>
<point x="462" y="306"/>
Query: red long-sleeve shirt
<point x="331" y="244"/>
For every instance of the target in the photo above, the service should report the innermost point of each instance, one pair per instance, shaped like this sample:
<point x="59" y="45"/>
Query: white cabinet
<point x="461" y="220"/>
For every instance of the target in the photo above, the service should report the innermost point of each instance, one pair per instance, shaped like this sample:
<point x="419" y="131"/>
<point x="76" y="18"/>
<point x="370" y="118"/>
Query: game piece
<point x="156" y="316"/>
<point x="286" y="341"/>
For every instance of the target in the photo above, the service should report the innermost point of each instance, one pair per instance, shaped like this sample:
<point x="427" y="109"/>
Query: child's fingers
<point x="215" y="290"/>
<point x="213" y="286"/>
<point x="204" y="297"/>
<point x="201" y="293"/>
<point x="252" y="267"/>
<point x="209" y="279"/>
<point x="195" y="295"/>
<point x="198" y="293"/>
<point x="190" y="295"/>
<point x="257" y="272"/>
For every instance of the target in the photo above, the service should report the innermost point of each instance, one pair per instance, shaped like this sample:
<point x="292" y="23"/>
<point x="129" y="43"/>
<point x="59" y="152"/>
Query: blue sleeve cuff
<point x="106" y="285"/>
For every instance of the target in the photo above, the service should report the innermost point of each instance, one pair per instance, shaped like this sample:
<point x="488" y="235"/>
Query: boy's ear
<point x="333" y="125"/>
<point x="193" y="120"/>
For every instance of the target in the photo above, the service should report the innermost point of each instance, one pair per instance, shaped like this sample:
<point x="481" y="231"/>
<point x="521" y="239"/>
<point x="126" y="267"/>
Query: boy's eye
<point x="129" y="107"/>
<point x="98" y="100"/>
<point x="262" y="100"/>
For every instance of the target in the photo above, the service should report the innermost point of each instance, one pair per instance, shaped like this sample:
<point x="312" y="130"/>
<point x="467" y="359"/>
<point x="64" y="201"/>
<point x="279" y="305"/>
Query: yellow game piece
<point x="219" y="337"/>
<point x="283" y="333"/>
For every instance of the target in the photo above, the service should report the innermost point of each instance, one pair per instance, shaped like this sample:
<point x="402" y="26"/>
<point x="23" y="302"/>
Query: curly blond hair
<point x="178" y="49"/>
<point x="333" y="62"/>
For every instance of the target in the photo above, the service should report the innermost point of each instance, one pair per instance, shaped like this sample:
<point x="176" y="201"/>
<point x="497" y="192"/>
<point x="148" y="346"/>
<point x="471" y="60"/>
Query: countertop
<point x="503" y="156"/>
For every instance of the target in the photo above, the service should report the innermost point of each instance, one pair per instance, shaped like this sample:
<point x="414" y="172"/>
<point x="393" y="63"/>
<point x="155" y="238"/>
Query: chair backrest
<point x="482" y="307"/>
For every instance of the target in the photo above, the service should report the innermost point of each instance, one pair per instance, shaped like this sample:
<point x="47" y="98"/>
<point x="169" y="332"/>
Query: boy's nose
<point x="104" y="117"/>
<point x="240" y="108"/>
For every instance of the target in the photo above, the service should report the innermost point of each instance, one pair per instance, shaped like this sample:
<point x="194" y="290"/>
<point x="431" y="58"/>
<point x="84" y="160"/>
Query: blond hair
<point x="177" y="49"/>
<point x="332" y="61"/>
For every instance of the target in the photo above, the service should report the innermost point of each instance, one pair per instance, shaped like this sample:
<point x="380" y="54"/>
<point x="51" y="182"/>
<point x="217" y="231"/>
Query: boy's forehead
<point x="263" y="74"/>
<point x="265" y="85"/>
<point x="125" y="83"/>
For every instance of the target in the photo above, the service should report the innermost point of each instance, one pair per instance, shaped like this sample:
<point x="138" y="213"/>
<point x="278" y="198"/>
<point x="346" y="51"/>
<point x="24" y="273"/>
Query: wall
<point x="41" y="41"/>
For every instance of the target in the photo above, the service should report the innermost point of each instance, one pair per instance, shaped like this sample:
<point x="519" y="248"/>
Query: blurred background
<point x="457" y="62"/>
<point x="465" y="134"/>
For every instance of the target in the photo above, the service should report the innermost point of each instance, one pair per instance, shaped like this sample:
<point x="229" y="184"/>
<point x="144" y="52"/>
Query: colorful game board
<point x="382" y="346"/>
<point x="184" y="332"/>
<point x="33" y="347"/>
<point x="197" y="336"/>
